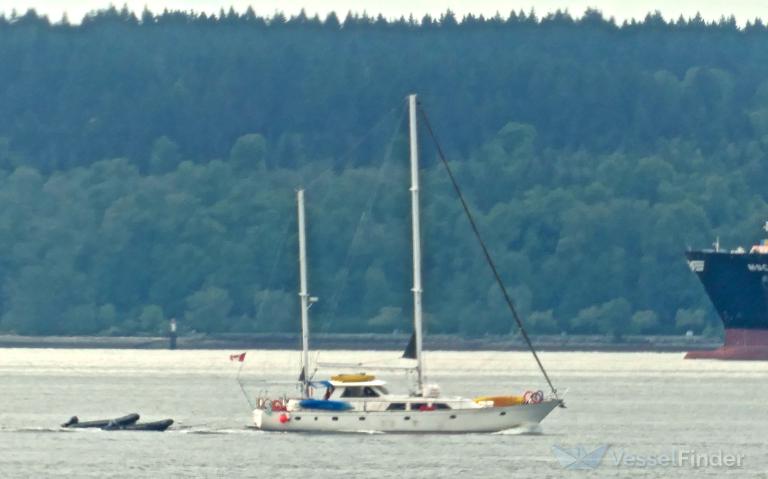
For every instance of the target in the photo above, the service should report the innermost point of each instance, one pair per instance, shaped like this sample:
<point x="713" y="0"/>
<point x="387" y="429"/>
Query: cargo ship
<point x="737" y="284"/>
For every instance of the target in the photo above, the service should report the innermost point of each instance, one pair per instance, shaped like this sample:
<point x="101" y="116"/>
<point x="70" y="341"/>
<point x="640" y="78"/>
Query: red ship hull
<point x="740" y="345"/>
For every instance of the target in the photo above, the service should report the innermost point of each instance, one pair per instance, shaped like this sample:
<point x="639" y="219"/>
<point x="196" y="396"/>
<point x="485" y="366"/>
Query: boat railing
<point x="365" y="366"/>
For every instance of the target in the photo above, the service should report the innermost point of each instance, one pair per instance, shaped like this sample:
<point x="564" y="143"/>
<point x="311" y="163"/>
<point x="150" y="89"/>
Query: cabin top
<point x="347" y="384"/>
<point x="362" y="389"/>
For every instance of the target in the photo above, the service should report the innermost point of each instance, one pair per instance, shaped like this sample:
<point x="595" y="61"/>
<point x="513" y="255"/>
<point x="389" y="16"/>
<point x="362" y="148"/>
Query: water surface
<point x="641" y="404"/>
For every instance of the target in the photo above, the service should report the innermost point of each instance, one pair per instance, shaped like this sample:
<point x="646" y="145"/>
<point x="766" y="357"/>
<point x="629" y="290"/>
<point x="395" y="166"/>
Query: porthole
<point x="452" y="416"/>
<point x="334" y="418"/>
<point x="407" y="418"/>
<point x="503" y="413"/>
<point x="362" y="418"/>
<point x="298" y="418"/>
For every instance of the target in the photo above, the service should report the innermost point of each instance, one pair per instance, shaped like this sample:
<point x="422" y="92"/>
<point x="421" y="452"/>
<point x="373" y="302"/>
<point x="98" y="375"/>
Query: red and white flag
<point x="237" y="357"/>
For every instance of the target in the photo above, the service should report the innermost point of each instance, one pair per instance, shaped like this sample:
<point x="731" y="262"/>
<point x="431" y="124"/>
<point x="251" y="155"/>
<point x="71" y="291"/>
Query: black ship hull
<point x="737" y="285"/>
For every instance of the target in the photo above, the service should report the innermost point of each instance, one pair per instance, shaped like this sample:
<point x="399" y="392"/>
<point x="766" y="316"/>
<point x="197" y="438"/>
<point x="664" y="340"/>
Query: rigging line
<point x="487" y="254"/>
<point x="365" y="214"/>
<point x="375" y="126"/>
<point x="344" y="159"/>
<point x="245" y="394"/>
<point x="261" y="305"/>
<point x="311" y="183"/>
<point x="242" y="388"/>
<point x="382" y="361"/>
<point x="279" y="254"/>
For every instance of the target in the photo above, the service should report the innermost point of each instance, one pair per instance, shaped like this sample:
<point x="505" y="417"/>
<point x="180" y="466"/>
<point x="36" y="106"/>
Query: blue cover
<point x="325" y="404"/>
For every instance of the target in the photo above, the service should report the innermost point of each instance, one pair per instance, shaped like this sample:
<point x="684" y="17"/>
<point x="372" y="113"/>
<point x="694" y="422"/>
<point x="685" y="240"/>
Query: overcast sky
<point x="620" y="9"/>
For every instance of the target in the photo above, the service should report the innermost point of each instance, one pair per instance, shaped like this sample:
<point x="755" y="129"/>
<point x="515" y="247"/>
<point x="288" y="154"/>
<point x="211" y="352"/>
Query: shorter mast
<point x="303" y="294"/>
<point x="416" y="230"/>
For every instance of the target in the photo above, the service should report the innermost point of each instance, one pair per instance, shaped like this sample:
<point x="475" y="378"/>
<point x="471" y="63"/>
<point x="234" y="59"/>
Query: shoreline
<point x="384" y="342"/>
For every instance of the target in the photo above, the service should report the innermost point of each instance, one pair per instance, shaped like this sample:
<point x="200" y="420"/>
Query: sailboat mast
<point x="416" y="230"/>
<point x="303" y="294"/>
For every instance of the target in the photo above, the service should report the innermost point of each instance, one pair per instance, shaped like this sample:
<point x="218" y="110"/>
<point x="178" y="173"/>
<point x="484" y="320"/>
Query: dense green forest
<point x="148" y="168"/>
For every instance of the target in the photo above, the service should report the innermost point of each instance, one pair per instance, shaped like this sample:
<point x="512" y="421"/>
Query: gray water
<point x="640" y="404"/>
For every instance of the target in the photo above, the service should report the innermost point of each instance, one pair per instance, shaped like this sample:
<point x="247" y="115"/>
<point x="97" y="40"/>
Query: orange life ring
<point x="533" y="397"/>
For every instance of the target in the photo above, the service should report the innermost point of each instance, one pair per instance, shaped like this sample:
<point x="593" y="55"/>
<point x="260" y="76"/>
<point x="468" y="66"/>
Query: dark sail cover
<point x="410" y="350"/>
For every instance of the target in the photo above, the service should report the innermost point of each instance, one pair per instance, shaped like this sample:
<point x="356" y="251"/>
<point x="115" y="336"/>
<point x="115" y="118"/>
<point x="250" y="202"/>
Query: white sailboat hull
<point x="474" y="420"/>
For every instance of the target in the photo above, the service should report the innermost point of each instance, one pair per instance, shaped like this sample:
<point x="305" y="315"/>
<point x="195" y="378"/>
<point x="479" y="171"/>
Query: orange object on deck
<point x="501" y="401"/>
<point x="353" y="378"/>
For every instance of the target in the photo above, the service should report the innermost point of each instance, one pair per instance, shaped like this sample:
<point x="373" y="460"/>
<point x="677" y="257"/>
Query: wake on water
<point x="528" y="430"/>
<point x="534" y="429"/>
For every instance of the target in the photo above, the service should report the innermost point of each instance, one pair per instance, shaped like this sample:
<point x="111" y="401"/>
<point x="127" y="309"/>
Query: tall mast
<point x="303" y="294"/>
<point x="416" y="230"/>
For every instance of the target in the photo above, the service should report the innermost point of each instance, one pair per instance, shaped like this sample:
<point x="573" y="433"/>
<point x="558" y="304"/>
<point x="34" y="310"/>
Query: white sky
<point x="620" y="9"/>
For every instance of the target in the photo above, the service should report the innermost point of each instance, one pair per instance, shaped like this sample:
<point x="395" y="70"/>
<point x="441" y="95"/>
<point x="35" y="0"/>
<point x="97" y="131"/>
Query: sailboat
<point x="361" y="401"/>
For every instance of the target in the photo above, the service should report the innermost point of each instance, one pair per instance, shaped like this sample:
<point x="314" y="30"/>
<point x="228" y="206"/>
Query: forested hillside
<point x="148" y="168"/>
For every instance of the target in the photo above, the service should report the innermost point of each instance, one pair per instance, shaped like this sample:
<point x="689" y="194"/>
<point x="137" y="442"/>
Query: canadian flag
<point x="237" y="357"/>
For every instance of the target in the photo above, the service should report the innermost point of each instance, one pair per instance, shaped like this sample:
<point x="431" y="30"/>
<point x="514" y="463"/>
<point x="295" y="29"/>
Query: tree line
<point x="147" y="169"/>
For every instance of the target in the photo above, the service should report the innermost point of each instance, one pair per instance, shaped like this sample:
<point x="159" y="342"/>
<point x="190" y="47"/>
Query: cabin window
<point x="441" y="405"/>
<point x="381" y="389"/>
<point x="396" y="406"/>
<point x="353" y="392"/>
<point x="360" y="392"/>
<point x="370" y="392"/>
